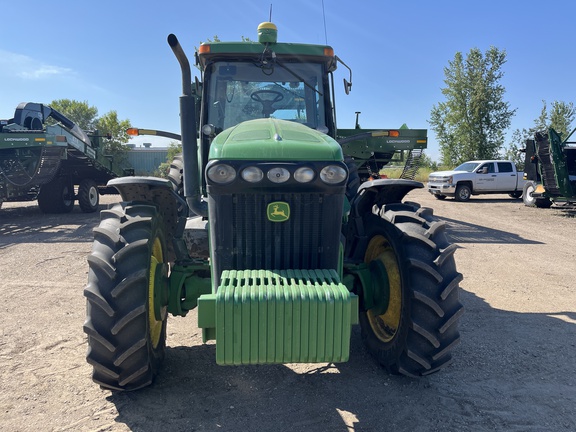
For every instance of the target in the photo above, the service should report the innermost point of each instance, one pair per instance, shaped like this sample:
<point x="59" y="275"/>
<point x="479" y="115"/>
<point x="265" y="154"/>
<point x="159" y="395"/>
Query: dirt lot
<point x="515" y="369"/>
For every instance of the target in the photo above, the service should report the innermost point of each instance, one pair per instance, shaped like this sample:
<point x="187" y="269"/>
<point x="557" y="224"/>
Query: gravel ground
<point x="515" y="369"/>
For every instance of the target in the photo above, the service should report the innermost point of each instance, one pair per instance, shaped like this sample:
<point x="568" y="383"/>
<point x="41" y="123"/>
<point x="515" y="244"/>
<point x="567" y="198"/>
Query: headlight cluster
<point x="224" y="174"/>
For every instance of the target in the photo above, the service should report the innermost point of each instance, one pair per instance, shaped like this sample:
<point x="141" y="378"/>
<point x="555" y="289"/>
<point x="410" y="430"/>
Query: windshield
<point x="240" y="91"/>
<point x="467" y="166"/>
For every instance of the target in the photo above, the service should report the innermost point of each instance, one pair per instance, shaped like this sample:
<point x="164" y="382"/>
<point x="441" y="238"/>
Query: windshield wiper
<point x="265" y="65"/>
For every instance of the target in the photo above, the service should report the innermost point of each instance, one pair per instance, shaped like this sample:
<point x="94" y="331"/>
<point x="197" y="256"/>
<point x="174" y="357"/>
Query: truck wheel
<point x="56" y="196"/>
<point x="415" y="334"/>
<point x="176" y="174"/>
<point x="88" y="196"/>
<point x="127" y="286"/>
<point x="463" y="193"/>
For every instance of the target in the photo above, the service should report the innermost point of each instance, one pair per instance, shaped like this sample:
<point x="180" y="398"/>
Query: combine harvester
<point x="46" y="162"/>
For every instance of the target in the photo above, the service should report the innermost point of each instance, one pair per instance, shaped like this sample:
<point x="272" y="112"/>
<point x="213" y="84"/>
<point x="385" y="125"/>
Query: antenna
<point x="324" y="16"/>
<point x="270" y="20"/>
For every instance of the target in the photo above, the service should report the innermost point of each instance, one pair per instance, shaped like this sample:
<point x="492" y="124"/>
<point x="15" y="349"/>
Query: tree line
<point x="473" y="120"/>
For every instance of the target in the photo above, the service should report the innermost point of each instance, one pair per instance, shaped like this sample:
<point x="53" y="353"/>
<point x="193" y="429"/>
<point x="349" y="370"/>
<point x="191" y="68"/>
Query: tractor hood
<point x="272" y="139"/>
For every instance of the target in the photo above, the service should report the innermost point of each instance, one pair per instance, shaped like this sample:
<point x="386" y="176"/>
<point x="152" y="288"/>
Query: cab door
<point x="485" y="177"/>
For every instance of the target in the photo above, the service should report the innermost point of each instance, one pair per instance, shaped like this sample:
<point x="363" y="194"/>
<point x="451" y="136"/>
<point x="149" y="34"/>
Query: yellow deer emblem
<point x="278" y="211"/>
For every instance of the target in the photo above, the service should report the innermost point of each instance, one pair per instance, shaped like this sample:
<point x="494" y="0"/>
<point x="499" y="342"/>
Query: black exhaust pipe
<point x="188" y="129"/>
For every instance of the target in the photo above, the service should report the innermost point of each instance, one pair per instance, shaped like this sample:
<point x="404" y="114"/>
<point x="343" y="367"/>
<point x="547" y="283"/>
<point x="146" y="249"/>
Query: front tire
<point x="416" y="333"/>
<point x="127" y="284"/>
<point x="463" y="193"/>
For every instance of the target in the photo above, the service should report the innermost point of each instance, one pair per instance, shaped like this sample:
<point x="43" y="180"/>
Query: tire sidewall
<point x="388" y="352"/>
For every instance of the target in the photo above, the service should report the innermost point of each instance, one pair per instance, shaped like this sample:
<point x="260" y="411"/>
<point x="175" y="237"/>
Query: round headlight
<point x="278" y="175"/>
<point x="333" y="174"/>
<point x="252" y="174"/>
<point x="304" y="175"/>
<point x="222" y="174"/>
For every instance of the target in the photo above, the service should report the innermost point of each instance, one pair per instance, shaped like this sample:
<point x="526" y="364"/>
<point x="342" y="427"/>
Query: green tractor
<point x="287" y="249"/>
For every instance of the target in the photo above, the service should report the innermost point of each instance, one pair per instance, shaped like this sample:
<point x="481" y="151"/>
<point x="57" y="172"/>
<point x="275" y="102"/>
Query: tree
<point x="472" y="121"/>
<point x="109" y="124"/>
<point x="174" y="149"/>
<point x="86" y="117"/>
<point x="560" y="118"/>
<point x="80" y="113"/>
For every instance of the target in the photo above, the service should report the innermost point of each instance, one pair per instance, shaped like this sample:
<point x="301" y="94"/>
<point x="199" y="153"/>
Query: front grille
<point x="243" y="237"/>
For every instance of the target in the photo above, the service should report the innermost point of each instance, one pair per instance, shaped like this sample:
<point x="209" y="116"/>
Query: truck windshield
<point x="466" y="166"/>
<point x="240" y="91"/>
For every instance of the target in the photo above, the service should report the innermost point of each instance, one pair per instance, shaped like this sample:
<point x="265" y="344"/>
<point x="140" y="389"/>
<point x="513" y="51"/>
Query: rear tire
<point x="88" y="196"/>
<point x="353" y="178"/>
<point x="416" y="334"/>
<point x="127" y="276"/>
<point x="56" y="196"/>
<point x="176" y="174"/>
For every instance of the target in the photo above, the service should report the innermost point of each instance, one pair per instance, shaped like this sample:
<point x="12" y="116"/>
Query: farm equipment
<point x="45" y="162"/>
<point x="288" y="250"/>
<point x="550" y="170"/>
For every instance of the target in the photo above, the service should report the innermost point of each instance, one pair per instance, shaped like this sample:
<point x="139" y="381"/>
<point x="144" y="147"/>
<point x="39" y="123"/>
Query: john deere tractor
<point x="287" y="250"/>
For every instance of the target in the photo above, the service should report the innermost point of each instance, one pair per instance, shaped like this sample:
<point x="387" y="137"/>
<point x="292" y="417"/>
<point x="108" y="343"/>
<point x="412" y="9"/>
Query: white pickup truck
<point x="475" y="178"/>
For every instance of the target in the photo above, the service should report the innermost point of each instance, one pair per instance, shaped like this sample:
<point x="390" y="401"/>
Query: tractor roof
<point x="231" y="51"/>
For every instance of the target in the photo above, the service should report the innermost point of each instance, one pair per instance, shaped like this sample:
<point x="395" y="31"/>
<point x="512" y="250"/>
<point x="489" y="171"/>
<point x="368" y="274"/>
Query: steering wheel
<point x="267" y="107"/>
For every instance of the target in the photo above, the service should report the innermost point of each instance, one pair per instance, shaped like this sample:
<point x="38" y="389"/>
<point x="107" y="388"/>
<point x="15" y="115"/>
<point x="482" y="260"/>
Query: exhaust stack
<point x="188" y="129"/>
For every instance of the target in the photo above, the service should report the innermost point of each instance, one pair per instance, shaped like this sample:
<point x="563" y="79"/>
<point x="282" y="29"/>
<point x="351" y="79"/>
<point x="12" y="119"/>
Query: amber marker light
<point x="394" y="133"/>
<point x="133" y="131"/>
<point x="329" y="52"/>
<point x="204" y="49"/>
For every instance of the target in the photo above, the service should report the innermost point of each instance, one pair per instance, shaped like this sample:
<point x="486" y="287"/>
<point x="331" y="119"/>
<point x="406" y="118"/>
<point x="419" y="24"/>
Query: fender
<point x="371" y="193"/>
<point x="172" y="207"/>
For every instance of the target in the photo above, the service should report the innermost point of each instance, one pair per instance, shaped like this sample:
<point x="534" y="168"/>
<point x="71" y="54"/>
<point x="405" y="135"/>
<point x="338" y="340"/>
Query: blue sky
<point x="114" y="55"/>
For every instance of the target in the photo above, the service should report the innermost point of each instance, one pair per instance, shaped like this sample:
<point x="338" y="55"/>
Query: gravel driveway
<point x="515" y="369"/>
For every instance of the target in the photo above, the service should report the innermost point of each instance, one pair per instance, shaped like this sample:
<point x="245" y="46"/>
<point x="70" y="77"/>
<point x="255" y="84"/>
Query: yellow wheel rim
<point x="386" y="326"/>
<point x="155" y="325"/>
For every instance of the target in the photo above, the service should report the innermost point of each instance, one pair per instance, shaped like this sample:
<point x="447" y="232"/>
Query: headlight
<point x="278" y="175"/>
<point x="252" y="174"/>
<point x="304" y="175"/>
<point x="333" y="174"/>
<point x="222" y="174"/>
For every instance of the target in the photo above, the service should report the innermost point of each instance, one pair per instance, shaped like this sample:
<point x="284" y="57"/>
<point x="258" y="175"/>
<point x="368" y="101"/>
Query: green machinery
<point x="287" y="250"/>
<point x="550" y="170"/>
<point x="45" y="161"/>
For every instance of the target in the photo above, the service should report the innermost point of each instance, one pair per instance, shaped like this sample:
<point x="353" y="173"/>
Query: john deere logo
<point x="278" y="211"/>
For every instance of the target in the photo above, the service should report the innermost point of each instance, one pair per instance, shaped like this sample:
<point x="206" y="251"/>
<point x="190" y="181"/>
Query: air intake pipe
<point x="188" y="132"/>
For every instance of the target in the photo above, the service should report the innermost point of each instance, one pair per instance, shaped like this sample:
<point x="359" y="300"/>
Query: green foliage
<point x="471" y="123"/>
<point x="174" y="149"/>
<point x="109" y="124"/>
<point x="80" y="113"/>
<point x="560" y="117"/>
<point x="86" y="117"/>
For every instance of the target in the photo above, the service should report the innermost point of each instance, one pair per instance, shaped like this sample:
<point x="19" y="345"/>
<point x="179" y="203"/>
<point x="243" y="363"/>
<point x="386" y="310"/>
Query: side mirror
<point x="347" y="86"/>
